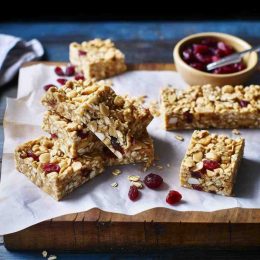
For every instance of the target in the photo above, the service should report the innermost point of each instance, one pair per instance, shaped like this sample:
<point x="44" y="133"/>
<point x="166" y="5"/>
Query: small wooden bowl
<point x="196" y="77"/>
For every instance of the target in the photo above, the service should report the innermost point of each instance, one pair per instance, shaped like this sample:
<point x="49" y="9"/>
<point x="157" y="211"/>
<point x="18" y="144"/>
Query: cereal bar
<point x="97" y="59"/>
<point x="113" y="119"/>
<point x="211" y="163"/>
<point x="71" y="138"/>
<point x="211" y="107"/>
<point x="55" y="173"/>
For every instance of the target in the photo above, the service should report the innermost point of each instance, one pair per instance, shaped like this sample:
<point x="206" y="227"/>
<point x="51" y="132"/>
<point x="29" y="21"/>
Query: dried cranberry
<point x="188" y="117"/>
<point x="79" y="77"/>
<point x="243" y="103"/>
<point x="204" y="59"/>
<point x="196" y="187"/>
<point x="173" y="197"/>
<point x="62" y="81"/>
<point x="116" y="145"/>
<point x="200" y="48"/>
<point x="51" y="167"/>
<point x="133" y="193"/>
<point x="82" y="135"/>
<point x="59" y="71"/>
<point x="211" y="42"/>
<point x="54" y="136"/>
<point x="210" y="164"/>
<point x="153" y="181"/>
<point x="208" y="50"/>
<point x="47" y="87"/>
<point x="70" y="71"/>
<point x="188" y="55"/>
<point x="33" y="155"/>
<point x="82" y="53"/>
<point x="196" y="175"/>
<point x="23" y="155"/>
<point x="198" y="66"/>
<point x="226" y="48"/>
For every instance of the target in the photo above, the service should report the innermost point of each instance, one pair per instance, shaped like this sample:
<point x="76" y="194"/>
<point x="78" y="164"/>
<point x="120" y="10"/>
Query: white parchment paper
<point x="22" y="204"/>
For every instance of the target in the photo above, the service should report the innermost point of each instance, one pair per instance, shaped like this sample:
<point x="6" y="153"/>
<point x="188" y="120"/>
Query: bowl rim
<point x="176" y="53"/>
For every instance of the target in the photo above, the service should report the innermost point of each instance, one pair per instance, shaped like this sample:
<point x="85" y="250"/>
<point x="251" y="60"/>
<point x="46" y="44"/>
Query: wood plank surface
<point x="96" y="230"/>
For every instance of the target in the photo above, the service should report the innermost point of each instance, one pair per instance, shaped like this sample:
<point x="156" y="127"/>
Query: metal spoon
<point x="233" y="58"/>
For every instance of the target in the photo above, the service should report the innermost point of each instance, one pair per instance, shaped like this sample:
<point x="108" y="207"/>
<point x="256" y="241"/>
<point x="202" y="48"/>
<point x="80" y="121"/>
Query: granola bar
<point x="55" y="173"/>
<point x="71" y="138"/>
<point x="141" y="151"/>
<point x="75" y="140"/>
<point x="113" y="119"/>
<point x="97" y="59"/>
<point x="211" y="107"/>
<point x="211" y="163"/>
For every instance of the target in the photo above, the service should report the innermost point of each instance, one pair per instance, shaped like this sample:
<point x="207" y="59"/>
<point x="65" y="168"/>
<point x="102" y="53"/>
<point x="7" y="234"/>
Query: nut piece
<point x="193" y="181"/>
<point x="197" y="157"/>
<point x="197" y="167"/>
<point x="235" y="132"/>
<point x="104" y="109"/>
<point x="76" y="166"/>
<point x="212" y="156"/>
<point x="179" y="138"/>
<point x="138" y="184"/>
<point x="114" y="184"/>
<point x="116" y="172"/>
<point x="44" y="158"/>
<point x="133" y="178"/>
<point x="188" y="162"/>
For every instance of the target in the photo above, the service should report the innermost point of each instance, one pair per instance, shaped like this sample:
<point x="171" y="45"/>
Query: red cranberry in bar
<point x="54" y="136"/>
<point x="153" y="181"/>
<point x="210" y="165"/>
<point x="82" y="53"/>
<point x="59" y="71"/>
<point x="196" y="187"/>
<point x="50" y="167"/>
<point x="62" y="81"/>
<point x="133" y="193"/>
<point x="243" y="103"/>
<point x="173" y="197"/>
<point x="32" y="155"/>
<point x="82" y="135"/>
<point x="196" y="175"/>
<point x="188" y="117"/>
<point x="79" y="76"/>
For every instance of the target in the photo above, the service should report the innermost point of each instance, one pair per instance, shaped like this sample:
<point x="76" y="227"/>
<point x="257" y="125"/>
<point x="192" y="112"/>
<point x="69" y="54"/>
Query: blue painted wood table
<point x="142" y="43"/>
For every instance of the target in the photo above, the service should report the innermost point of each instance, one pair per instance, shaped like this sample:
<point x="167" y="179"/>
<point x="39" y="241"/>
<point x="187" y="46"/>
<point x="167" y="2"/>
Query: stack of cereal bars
<point x="90" y="127"/>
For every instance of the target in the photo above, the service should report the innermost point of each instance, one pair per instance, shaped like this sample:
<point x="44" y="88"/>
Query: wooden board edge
<point x="130" y="67"/>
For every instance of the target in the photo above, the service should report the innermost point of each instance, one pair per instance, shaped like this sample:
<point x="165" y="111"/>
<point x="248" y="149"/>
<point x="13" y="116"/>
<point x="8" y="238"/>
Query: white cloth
<point x="14" y="52"/>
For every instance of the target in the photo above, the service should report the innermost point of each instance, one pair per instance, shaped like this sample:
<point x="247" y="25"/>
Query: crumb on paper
<point x="154" y="108"/>
<point x="235" y="132"/>
<point x="114" y="184"/>
<point x="52" y="257"/>
<point x="168" y="165"/>
<point x="160" y="167"/>
<point x="137" y="184"/>
<point x="44" y="253"/>
<point x="179" y="138"/>
<point x="116" y="172"/>
<point x="133" y="178"/>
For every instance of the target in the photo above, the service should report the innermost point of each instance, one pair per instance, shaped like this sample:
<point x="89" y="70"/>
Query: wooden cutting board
<point x="96" y="230"/>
